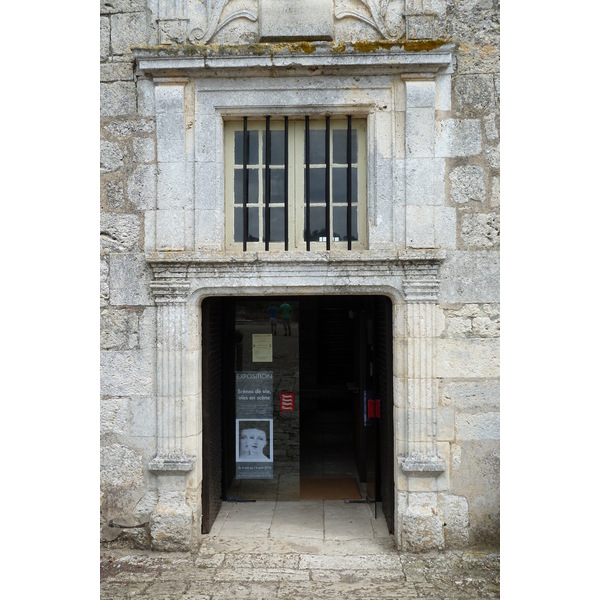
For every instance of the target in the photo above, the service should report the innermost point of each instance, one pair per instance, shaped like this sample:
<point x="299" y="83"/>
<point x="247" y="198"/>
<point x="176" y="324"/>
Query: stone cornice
<point x="379" y="57"/>
<point x="182" y="265"/>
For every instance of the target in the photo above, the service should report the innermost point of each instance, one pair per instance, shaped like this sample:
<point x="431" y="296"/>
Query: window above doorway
<point x="295" y="183"/>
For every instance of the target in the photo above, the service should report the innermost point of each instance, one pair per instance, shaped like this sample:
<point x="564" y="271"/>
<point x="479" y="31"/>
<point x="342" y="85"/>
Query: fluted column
<point x="421" y="287"/>
<point x="171" y="525"/>
<point x="422" y="527"/>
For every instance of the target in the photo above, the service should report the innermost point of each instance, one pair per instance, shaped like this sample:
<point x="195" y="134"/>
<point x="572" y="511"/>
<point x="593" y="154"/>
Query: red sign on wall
<point x="286" y="401"/>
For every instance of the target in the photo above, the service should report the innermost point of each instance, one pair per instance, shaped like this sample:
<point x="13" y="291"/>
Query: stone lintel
<point x="179" y="464"/>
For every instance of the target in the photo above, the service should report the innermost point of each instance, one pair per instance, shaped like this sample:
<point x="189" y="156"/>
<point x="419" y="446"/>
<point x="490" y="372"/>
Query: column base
<point x="171" y="525"/>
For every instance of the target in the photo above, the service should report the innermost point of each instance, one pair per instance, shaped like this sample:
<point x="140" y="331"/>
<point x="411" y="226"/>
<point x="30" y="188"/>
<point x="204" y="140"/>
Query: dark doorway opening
<point x="332" y="366"/>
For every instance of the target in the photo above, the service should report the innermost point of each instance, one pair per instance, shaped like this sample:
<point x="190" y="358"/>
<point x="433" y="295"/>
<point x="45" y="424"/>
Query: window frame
<point x="296" y="182"/>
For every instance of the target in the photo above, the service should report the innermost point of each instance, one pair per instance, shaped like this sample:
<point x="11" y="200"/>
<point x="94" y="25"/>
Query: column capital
<point x="170" y="292"/>
<point x="421" y="280"/>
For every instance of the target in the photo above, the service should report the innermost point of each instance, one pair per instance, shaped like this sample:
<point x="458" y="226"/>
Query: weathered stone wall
<point x="127" y="314"/>
<point x="467" y="142"/>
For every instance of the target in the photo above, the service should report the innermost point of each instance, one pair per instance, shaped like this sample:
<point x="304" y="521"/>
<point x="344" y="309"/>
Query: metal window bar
<point x="267" y="182"/>
<point x="327" y="183"/>
<point x="307" y="179"/>
<point x="349" y="183"/>
<point x="285" y="182"/>
<point x="245" y="152"/>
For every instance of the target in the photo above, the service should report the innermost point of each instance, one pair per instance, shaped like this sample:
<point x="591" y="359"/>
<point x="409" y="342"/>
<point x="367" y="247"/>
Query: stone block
<point x="445" y="424"/>
<point x="146" y="100"/>
<point x="142" y="417"/>
<point x="119" y="329"/>
<point x="467" y="183"/>
<point x="114" y="416"/>
<point x="458" y="137"/>
<point x="112" y="193"/>
<point x="116" y="71"/>
<point x="421" y="532"/>
<point x="420" y="132"/>
<point x="493" y="157"/>
<point x="126" y="372"/>
<point x="425" y="181"/>
<point x="128" y="276"/>
<point x="454" y="512"/>
<point x="443" y="101"/>
<point x="171" y="191"/>
<point x="119" y="232"/>
<point x="490" y="128"/>
<point x="420" y="94"/>
<point x="444" y="223"/>
<point x="296" y="20"/>
<point x="112" y="156"/>
<point x="478" y="480"/>
<point x="117" y="98"/>
<point x="420" y="229"/>
<point x="120" y="465"/>
<point x="474" y="95"/>
<point x="104" y="283"/>
<point x="468" y="358"/>
<point x="495" y="192"/>
<point x="104" y="38"/>
<point x="170" y="135"/>
<point x="471" y="395"/>
<point x="486" y="327"/>
<point x="481" y="230"/>
<point x="170" y="230"/>
<point x="128" y="29"/>
<point x="128" y="127"/>
<point x="144" y="149"/>
<point x="470" y="277"/>
<point x="478" y="427"/>
<point x="169" y="99"/>
<point x="141" y="187"/>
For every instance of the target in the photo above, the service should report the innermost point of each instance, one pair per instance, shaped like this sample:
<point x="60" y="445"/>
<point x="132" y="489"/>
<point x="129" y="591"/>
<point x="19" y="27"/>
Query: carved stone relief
<point x="201" y="21"/>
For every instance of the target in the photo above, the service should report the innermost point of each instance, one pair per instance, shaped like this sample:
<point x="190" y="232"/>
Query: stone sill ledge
<point x="341" y="258"/>
<point x="426" y="467"/>
<point x="427" y="56"/>
<point x="171" y="465"/>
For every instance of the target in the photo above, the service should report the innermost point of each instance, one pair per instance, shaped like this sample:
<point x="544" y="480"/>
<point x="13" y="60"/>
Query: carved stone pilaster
<point x="171" y="525"/>
<point x="421" y="289"/>
<point x="171" y="326"/>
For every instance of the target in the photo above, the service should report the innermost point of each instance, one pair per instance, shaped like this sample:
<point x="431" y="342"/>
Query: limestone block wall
<point x="450" y="201"/>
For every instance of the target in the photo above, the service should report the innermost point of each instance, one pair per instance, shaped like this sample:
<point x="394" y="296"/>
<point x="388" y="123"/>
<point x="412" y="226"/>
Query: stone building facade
<point x="421" y="78"/>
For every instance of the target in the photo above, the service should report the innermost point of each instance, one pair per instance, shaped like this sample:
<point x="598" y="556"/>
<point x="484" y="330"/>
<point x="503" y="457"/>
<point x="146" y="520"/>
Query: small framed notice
<point x="262" y="347"/>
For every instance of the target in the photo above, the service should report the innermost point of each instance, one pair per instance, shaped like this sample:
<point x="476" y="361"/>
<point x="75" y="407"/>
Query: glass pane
<point x="253" y="147"/>
<point x="317" y="184"/>
<point x="238" y="225"/>
<point x="238" y="186"/>
<point x="340" y="223"/>
<point x="340" y="152"/>
<point x="338" y="184"/>
<point x="317" y="224"/>
<point x="317" y="147"/>
<point x="277" y="224"/>
<point x="277" y="147"/>
<point x="277" y="185"/>
<point x="265" y="405"/>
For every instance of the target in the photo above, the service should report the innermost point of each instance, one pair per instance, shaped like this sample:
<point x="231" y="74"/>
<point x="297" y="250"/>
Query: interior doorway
<point x="303" y="390"/>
